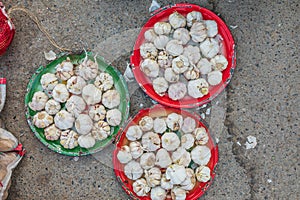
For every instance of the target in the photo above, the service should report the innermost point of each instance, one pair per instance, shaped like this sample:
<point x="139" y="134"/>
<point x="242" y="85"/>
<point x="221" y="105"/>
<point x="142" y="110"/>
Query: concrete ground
<point x="262" y="99"/>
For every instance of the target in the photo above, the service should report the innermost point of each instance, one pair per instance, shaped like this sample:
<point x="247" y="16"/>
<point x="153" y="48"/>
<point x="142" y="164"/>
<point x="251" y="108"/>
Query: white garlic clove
<point x="83" y="124"/>
<point x="140" y="187"/>
<point x="48" y="81"/>
<point x="163" y="158"/>
<point x="174" y="47"/>
<point x="198" y="32"/>
<point x="124" y="155"/>
<point x="147" y="160"/>
<point x="201" y="135"/>
<point x="133" y="170"/>
<point x="38" y="101"/>
<point x="52" y="133"/>
<point x="161" y="41"/>
<point x="158" y="193"/>
<point x="134" y="133"/>
<point x="197" y="88"/>
<point x="42" y="119"/>
<point x="86" y="141"/>
<point x="170" y="141"/>
<point x="52" y="107"/>
<point x="88" y="69"/>
<point x="114" y="117"/>
<point x="177" y="91"/>
<point x="177" y="20"/>
<point x="150" y="141"/>
<point x="193" y="17"/>
<point x="160" y="86"/>
<point x="64" y="120"/>
<point x="101" y="130"/>
<point x="190" y="180"/>
<point x="204" y="66"/>
<point x="166" y="183"/>
<point x="161" y="28"/>
<point x="180" y="64"/>
<point x="189" y="125"/>
<point x="146" y="123"/>
<point x="153" y="176"/>
<point x="91" y="94"/>
<point x="174" y="121"/>
<point x="111" y="99"/>
<point x="60" y="93"/>
<point x="75" y="84"/>
<point x="75" y="105"/>
<point x="97" y="112"/>
<point x="159" y="125"/>
<point x="171" y="76"/>
<point x="203" y="174"/>
<point x="64" y="70"/>
<point x="164" y="60"/>
<point x="187" y="141"/>
<point x="148" y="50"/>
<point x="150" y="35"/>
<point x="182" y="34"/>
<point x="150" y="68"/>
<point x="212" y="28"/>
<point x="192" y="73"/>
<point x="219" y="62"/>
<point x="201" y="155"/>
<point x="178" y="193"/>
<point x="69" y="139"/>
<point x="104" y="81"/>
<point x="136" y="149"/>
<point x="210" y="48"/>
<point x="176" y="174"/>
<point x="181" y="157"/>
<point x="192" y="53"/>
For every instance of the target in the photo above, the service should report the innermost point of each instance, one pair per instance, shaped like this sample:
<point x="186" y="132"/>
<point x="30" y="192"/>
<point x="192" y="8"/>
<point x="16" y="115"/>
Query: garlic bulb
<point x="189" y="125"/>
<point x="180" y="64"/>
<point x="164" y="60"/>
<point x="146" y="123"/>
<point x="163" y="158"/>
<point x="174" y="47"/>
<point x="176" y="174"/>
<point x="133" y="170"/>
<point x="52" y="133"/>
<point x="212" y="28"/>
<point x="114" y="117"/>
<point x="42" y="119"/>
<point x="91" y="94"/>
<point x="111" y="99"/>
<point x="174" y="121"/>
<point x="203" y="174"/>
<point x="219" y="62"/>
<point x="140" y="187"/>
<point x="150" y="68"/>
<point x="69" y="139"/>
<point x="147" y="160"/>
<point x="159" y="125"/>
<point x="88" y="69"/>
<point x="83" y="124"/>
<point x="193" y="17"/>
<point x="38" y="101"/>
<point x="86" y="141"/>
<point x="171" y="76"/>
<point x="192" y="73"/>
<point x="134" y="133"/>
<point x="201" y="136"/>
<point x="136" y="149"/>
<point x="64" y="120"/>
<point x="214" y="78"/>
<point x="150" y="35"/>
<point x="157" y="193"/>
<point x="64" y="70"/>
<point x="198" y="32"/>
<point x="187" y="141"/>
<point x="161" y="28"/>
<point x="52" y="107"/>
<point x="153" y="176"/>
<point x="190" y="180"/>
<point x="177" y="20"/>
<point x="201" y="155"/>
<point x="161" y="41"/>
<point x="181" y="157"/>
<point x="170" y="141"/>
<point x="48" y="81"/>
<point x="178" y="193"/>
<point x="101" y="130"/>
<point x="104" y="81"/>
<point x="192" y="53"/>
<point x="150" y="141"/>
<point x="75" y="84"/>
<point x="182" y="34"/>
<point x="197" y="88"/>
<point x="124" y="155"/>
<point x="160" y="86"/>
<point x="60" y="93"/>
<point x="165" y="183"/>
<point x="177" y="91"/>
<point x="209" y="48"/>
<point x="204" y="66"/>
<point x="97" y="112"/>
<point x="148" y="50"/>
<point x="75" y="105"/>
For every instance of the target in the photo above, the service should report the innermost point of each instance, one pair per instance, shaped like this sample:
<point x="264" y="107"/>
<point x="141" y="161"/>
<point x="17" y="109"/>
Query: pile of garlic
<point x="183" y="56"/>
<point x="166" y="156"/>
<point x="78" y="104"/>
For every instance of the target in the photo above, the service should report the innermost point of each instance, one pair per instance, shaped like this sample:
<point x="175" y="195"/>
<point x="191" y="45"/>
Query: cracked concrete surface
<point x="262" y="99"/>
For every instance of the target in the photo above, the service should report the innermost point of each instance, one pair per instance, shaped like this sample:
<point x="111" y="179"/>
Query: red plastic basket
<point x="228" y="49"/>
<point x="7" y="30"/>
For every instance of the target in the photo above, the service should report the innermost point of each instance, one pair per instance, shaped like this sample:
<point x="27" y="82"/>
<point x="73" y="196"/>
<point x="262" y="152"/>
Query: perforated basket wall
<point x="7" y="30"/>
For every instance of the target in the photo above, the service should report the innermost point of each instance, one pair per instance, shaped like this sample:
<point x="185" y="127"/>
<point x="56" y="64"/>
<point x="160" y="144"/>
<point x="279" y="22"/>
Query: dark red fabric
<point x="6" y="32"/>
